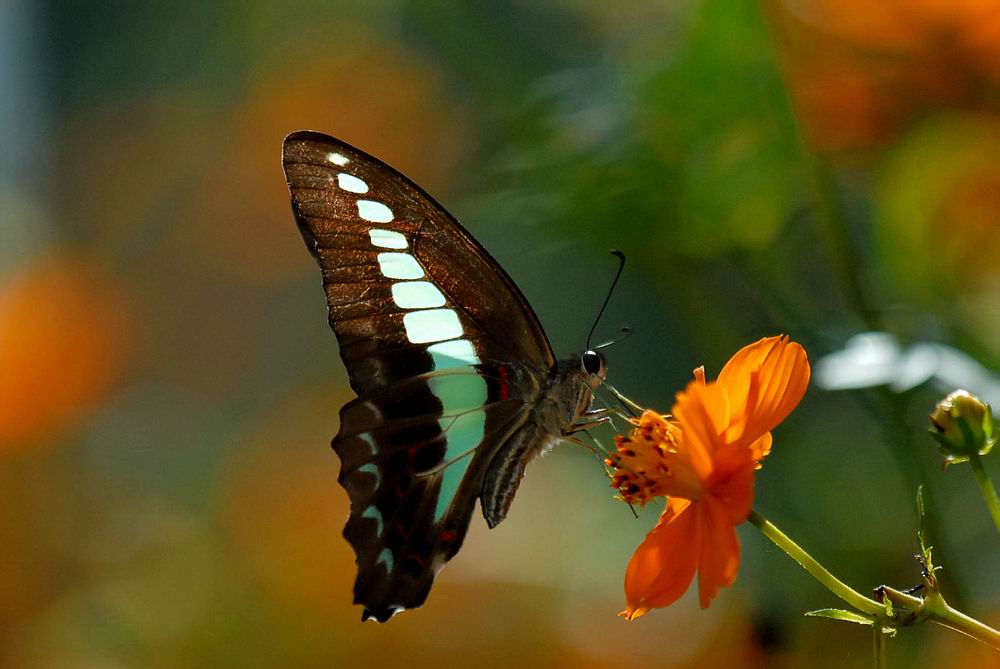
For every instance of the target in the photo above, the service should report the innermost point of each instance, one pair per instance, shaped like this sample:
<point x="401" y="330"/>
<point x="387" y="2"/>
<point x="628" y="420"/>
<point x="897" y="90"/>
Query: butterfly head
<point x="595" y="365"/>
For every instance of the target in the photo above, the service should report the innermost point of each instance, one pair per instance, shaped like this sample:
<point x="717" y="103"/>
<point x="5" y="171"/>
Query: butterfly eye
<point x="592" y="362"/>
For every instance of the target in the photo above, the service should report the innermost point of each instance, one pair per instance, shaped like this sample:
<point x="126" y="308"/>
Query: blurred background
<point x="169" y="385"/>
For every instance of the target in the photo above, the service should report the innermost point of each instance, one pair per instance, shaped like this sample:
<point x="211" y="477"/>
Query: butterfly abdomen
<point x="554" y="412"/>
<point x="507" y="469"/>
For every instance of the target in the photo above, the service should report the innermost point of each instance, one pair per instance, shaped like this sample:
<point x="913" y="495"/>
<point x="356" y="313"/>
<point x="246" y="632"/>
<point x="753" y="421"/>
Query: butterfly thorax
<point x="564" y="397"/>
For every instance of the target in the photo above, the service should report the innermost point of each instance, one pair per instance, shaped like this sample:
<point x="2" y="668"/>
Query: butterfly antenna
<point x="626" y="333"/>
<point x="621" y="267"/>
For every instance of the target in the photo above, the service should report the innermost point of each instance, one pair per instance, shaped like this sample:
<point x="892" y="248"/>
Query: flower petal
<point x="783" y="379"/>
<point x="663" y="565"/>
<point x="702" y="413"/>
<point x="761" y="448"/>
<point x="736" y="374"/>
<point x="720" y="549"/>
<point x="764" y="382"/>
<point x="732" y="483"/>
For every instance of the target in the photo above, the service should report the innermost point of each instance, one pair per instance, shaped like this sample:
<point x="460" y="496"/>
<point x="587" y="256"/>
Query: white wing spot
<point x="399" y="266"/>
<point x="373" y="211"/>
<point x="374" y="514"/>
<point x="367" y="438"/>
<point x="337" y="159"/>
<point x="351" y="183"/>
<point x="387" y="239"/>
<point x="385" y="557"/>
<point x="432" y="325"/>
<point x="373" y="470"/>
<point x="417" y="295"/>
<point x="456" y="353"/>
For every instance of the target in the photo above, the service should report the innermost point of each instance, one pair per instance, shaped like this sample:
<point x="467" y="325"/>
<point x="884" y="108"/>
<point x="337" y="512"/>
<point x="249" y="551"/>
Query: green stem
<point x="818" y="571"/>
<point x="879" y="647"/>
<point x="986" y="486"/>
<point x="940" y="613"/>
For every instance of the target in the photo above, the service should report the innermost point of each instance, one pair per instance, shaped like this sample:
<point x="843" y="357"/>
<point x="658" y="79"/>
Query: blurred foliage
<point x="168" y="384"/>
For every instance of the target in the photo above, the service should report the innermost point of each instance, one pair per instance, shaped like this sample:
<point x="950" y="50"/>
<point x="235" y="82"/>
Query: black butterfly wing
<point x="444" y="352"/>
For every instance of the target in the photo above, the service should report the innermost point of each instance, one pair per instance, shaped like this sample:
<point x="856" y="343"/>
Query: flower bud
<point x="963" y="426"/>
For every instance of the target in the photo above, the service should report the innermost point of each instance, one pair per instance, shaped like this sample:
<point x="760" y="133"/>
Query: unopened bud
<point x="963" y="426"/>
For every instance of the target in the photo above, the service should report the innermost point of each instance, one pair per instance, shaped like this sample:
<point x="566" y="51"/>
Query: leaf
<point x="849" y="617"/>
<point x="926" y="556"/>
<point x="922" y="520"/>
<point x="841" y="614"/>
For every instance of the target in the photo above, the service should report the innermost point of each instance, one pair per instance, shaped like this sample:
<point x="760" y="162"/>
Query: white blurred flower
<point x="877" y="359"/>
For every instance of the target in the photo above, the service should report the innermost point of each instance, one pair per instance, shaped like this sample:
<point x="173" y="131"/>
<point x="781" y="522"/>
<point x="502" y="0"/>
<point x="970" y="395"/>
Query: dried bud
<point x="963" y="426"/>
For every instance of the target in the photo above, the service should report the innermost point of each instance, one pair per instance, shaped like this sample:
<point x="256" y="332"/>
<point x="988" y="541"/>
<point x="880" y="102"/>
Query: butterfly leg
<point x="592" y="418"/>
<point x="595" y="448"/>
<point x="586" y="425"/>
<point x="607" y="411"/>
<point x="600" y="454"/>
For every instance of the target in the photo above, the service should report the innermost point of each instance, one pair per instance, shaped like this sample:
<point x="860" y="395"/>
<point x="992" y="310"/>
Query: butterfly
<point x="457" y="385"/>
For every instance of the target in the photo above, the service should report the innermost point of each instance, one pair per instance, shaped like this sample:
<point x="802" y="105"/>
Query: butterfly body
<point x="556" y="412"/>
<point x="458" y="388"/>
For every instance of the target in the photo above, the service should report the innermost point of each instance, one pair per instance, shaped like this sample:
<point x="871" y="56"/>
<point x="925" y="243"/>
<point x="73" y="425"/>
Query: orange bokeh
<point x="858" y="71"/>
<point x="283" y="512"/>
<point x="381" y="99"/>
<point x="62" y="340"/>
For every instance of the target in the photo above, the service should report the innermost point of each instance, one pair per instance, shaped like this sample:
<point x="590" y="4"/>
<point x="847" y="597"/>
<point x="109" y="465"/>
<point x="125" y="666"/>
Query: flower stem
<point x="911" y="610"/>
<point x="879" y="647"/>
<point x="818" y="571"/>
<point x="938" y="611"/>
<point x="986" y="486"/>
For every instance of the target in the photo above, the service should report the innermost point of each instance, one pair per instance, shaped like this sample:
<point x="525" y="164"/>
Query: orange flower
<point x="703" y="459"/>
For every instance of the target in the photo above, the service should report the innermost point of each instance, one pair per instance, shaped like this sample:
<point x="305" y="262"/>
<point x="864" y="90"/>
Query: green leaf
<point x="922" y="520"/>
<point x="888" y="605"/>
<point x="842" y="614"/>
<point x="926" y="552"/>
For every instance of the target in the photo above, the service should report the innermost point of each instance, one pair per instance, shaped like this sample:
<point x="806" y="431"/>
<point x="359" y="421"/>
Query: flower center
<point x="649" y="463"/>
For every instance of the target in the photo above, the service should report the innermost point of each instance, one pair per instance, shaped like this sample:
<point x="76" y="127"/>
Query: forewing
<point x="371" y="229"/>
